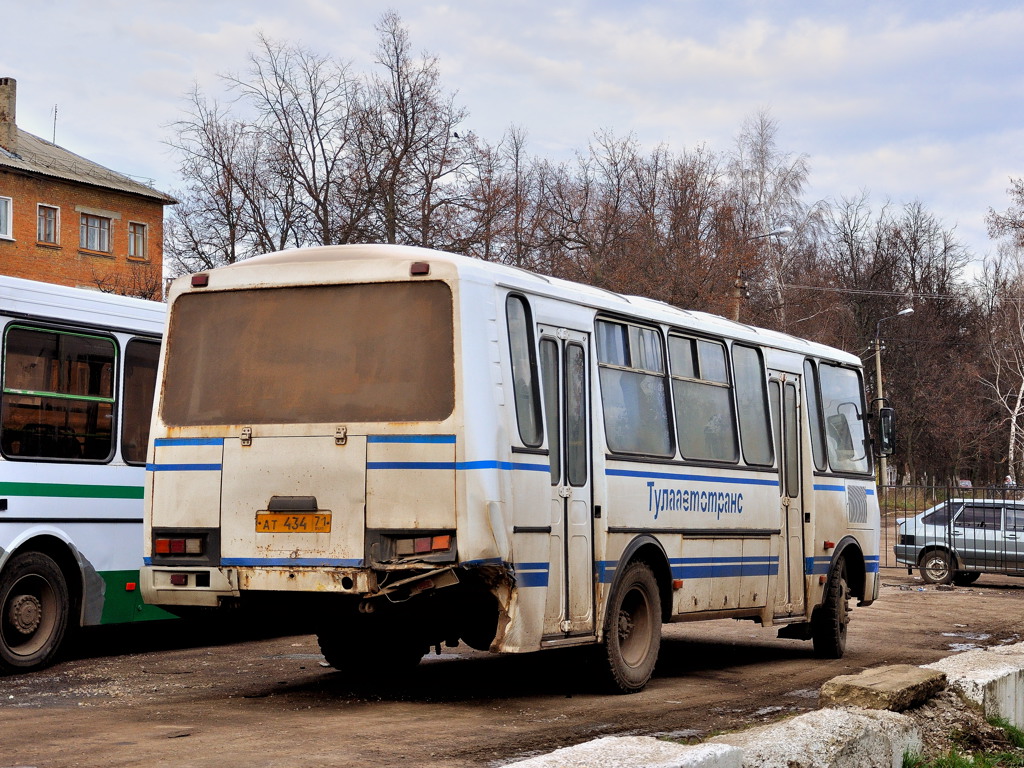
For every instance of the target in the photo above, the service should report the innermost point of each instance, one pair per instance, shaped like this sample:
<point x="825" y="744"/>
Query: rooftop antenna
<point x="54" y="123"/>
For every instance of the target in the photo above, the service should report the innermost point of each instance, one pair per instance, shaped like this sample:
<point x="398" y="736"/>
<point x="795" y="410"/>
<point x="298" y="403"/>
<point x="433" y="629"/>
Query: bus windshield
<point x="311" y="354"/>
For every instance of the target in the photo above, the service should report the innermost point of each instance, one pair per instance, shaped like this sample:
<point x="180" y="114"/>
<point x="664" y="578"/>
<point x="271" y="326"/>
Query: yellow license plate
<point x="293" y="522"/>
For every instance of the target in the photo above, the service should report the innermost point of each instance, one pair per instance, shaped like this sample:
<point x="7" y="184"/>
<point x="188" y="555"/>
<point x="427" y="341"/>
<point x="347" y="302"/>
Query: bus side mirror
<point x="885" y="442"/>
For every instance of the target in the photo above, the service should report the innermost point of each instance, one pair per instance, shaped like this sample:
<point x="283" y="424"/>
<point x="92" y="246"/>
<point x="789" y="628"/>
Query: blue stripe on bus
<point x="694" y="478"/>
<point x="703" y="567"/>
<point x="184" y="467"/>
<point x="531" y="574"/>
<point x="459" y="465"/>
<point x="839" y="488"/>
<point x="814" y="566"/>
<point x="161" y="441"/>
<point x="723" y="567"/>
<point x="410" y="439"/>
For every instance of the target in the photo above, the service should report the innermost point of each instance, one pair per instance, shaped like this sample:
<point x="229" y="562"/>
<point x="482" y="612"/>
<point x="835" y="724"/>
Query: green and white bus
<point x="78" y="374"/>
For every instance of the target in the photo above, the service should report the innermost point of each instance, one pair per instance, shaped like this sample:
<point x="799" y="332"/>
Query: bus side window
<point x="634" y="397"/>
<point x="705" y="423"/>
<point x="814" y="416"/>
<point x="524" y="370"/>
<point x="140" y="362"/>
<point x="58" y="395"/>
<point x="752" y="404"/>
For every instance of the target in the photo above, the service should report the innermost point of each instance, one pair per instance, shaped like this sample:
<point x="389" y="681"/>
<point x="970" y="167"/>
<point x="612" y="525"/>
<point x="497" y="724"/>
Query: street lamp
<point x="740" y="284"/>
<point x="880" y="394"/>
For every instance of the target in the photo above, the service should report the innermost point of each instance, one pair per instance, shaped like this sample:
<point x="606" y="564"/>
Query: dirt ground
<point x="158" y="697"/>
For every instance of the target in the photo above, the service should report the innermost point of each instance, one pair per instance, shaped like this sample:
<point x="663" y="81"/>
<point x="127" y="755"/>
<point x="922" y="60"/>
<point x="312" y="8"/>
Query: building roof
<point x="38" y="156"/>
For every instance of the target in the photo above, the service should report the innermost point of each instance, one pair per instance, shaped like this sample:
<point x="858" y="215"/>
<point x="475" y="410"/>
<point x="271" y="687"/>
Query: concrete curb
<point x="825" y="738"/>
<point x="993" y="678"/>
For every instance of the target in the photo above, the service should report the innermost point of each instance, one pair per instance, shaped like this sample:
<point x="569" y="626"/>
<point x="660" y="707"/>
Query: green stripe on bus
<point x="72" y="491"/>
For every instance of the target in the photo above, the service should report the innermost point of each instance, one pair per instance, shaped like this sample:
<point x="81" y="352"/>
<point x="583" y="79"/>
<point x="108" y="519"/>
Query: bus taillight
<point x="182" y="546"/>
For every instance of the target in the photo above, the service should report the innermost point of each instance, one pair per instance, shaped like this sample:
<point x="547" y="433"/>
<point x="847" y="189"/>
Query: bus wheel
<point x="632" y="634"/>
<point x="34" y="611"/>
<point x="832" y="618"/>
<point x="936" y="567"/>
<point x="366" y="651"/>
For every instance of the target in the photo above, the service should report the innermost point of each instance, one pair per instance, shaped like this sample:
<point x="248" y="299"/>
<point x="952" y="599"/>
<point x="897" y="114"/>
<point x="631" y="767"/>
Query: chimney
<point x="8" y="125"/>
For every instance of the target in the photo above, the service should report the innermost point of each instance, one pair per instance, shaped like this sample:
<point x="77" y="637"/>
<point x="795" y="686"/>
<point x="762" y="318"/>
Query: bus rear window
<point x="311" y="354"/>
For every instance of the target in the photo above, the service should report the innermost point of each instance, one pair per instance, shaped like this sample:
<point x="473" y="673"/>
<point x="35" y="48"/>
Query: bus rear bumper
<point x="189" y="585"/>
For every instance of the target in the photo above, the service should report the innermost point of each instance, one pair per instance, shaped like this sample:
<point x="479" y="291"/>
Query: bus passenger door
<point x="564" y="375"/>
<point x="784" y="394"/>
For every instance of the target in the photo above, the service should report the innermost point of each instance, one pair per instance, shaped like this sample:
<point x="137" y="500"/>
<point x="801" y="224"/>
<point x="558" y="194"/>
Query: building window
<point x="136" y="240"/>
<point x="5" y="218"/>
<point x="47" y="224"/>
<point x="95" y="233"/>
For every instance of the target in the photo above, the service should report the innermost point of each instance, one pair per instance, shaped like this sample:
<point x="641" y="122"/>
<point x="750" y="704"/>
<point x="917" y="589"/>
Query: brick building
<point x="67" y="220"/>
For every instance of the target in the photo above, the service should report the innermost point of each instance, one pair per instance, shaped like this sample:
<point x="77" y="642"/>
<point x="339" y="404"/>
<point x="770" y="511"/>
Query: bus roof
<point x="343" y="256"/>
<point x="32" y="299"/>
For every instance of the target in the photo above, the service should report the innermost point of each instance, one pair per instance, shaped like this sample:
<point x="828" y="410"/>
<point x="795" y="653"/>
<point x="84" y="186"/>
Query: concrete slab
<point x="897" y="688"/>
<point x="636" y="752"/>
<point x="829" y="738"/>
<point x="993" y="678"/>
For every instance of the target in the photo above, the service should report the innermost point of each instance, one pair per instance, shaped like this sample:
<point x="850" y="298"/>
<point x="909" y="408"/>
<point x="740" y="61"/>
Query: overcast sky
<point x="905" y="100"/>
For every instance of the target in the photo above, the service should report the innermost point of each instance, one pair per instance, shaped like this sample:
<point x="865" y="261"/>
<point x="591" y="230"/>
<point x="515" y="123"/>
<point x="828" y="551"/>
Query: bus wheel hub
<point x="25" y="613"/>
<point x="625" y="625"/>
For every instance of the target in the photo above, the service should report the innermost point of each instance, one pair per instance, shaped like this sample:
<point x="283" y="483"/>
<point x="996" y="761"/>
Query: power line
<point x="867" y="292"/>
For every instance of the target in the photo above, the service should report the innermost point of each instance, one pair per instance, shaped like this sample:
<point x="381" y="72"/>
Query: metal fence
<point x="963" y="532"/>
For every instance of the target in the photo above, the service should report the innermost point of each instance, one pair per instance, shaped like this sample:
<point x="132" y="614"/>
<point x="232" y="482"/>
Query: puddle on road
<point x="977" y="636"/>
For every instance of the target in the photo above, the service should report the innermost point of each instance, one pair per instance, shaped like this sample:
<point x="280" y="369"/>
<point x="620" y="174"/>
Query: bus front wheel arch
<point x="35" y="610"/>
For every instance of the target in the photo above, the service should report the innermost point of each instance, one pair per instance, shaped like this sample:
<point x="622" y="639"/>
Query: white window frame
<point x="56" y="224"/>
<point x="105" y="233"/>
<point x="7" y="222"/>
<point x="144" y="256"/>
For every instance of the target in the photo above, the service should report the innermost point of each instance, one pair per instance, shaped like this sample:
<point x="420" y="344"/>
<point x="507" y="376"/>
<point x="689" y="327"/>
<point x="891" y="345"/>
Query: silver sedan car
<point x="960" y="539"/>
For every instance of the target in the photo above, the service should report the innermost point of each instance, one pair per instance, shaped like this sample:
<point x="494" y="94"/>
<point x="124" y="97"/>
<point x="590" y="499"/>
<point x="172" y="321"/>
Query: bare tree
<point x="768" y="185"/>
<point x="410" y="149"/>
<point x="1009" y="223"/>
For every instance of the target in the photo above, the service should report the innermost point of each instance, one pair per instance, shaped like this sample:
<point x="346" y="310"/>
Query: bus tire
<point x="34" y="612"/>
<point x="936" y="566"/>
<point x="367" y="651"/>
<point x="832" y="618"/>
<point x="632" y="635"/>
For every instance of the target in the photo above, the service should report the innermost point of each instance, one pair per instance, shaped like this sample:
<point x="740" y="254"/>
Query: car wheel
<point x="936" y="567"/>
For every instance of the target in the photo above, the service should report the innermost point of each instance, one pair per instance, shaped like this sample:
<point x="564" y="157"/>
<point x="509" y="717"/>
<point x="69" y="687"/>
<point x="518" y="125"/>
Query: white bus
<point x="78" y="375"/>
<point x="417" y="448"/>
